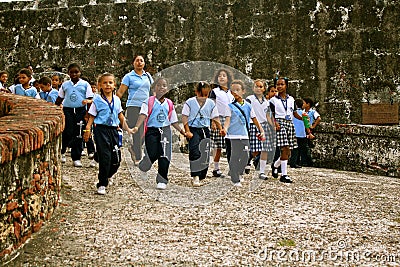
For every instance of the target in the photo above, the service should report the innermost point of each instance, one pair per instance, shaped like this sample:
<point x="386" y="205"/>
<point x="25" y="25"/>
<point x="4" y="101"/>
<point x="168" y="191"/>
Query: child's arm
<point x="227" y="123"/>
<point x="178" y="128"/>
<point x="185" y="122"/>
<point x="59" y="100"/>
<point x="125" y="126"/>
<point x="296" y="115"/>
<point x="140" y="120"/>
<point x="87" y="131"/>
<point x="259" y="127"/>
<point x="218" y="125"/>
<point x="315" y="123"/>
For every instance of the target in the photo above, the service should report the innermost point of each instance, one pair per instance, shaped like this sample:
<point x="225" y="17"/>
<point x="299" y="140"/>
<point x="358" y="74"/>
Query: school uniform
<point x="158" y="138"/>
<point x="50" y="96"/>
<point x="283" y="109"/>
<point x="222" y="100"/>
<point x="261" y="109"/>
<point x="237" y="138"/>
<point x="74" y="111"/>
<point x="199" y="125"/>
<point x="138" y="93"/>
<point x="106" y="135"/>
<point x="299" y="154"/>
<point x="31" y="91"/>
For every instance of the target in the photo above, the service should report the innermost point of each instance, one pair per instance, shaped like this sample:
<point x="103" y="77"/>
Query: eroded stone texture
<point x="334" y="52"/>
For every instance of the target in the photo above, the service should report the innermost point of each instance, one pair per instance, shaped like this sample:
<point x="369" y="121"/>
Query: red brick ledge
<point x="26" y="124"/>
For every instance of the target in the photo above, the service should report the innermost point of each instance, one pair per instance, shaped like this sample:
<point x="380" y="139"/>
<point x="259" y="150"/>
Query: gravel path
<point x="325" y="218"/>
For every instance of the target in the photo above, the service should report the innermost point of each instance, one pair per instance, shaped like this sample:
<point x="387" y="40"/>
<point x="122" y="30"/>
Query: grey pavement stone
<point x="325" y="218"/>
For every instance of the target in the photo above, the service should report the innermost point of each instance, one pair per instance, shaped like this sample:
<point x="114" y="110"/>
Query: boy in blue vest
<point x="25" y="88"/>
<point x="47" y="93"/>
<point x="237" y="126"/>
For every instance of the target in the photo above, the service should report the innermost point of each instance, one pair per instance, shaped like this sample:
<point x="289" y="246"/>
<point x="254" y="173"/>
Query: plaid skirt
<point x="267" y="145"/>
<point x="286" y="136"/>
<point x="218" y="141"/>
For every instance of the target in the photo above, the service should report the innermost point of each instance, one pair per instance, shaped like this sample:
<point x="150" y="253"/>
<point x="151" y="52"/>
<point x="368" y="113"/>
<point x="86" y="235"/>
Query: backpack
<point x="150" y="110"/>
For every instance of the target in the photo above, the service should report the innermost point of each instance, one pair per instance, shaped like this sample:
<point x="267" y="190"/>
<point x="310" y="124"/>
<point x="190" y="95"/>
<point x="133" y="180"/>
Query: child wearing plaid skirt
<point x="222" y="98"/>
<point x="283" y="109"/>
<point x="260" y="146"/>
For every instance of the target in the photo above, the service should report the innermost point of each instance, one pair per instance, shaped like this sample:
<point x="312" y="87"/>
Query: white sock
<point x="216" y="165"/>
<point x="284" y="167"/>
<point x="277" y="163"/>
<point x="263" y="164"/>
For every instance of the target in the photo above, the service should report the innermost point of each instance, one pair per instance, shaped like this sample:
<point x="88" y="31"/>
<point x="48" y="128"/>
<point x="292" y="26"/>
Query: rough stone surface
<point x="341" y="53"/>
<point x="325" y="218"/>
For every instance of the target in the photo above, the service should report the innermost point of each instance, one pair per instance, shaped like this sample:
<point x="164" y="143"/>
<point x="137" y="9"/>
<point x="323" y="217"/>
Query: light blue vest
<point x="238" y="123"/>
<point x="74" y="93"/>
<point x="159" y="115"/>
<point x="49" y="96"/>
<point x="19" y="90"/>
<point x="299" y="127"/>
<point x="104" y="115"/>
<point x="200" y="118"/>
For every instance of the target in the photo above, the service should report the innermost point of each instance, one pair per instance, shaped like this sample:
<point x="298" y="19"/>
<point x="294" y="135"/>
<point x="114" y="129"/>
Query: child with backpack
<point x="159" y="114"/>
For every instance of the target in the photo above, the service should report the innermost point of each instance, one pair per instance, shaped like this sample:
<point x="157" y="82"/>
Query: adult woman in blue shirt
<point x="138" y="83"/>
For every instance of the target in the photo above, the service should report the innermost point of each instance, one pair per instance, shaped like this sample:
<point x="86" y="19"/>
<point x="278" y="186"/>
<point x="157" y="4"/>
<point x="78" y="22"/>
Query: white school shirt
<point x="280" y="111"/>
<point x="199" y="117"/>
<point x="260" y="108"/>
<point x="223" y="99"/>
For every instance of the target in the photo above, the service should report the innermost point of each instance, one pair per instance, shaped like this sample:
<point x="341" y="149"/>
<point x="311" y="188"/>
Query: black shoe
<point x="274" y="171"/>
<point x="286" y="179"/>
<point x="295" y="166"/>
<point x="247" y="169"/>
<point x="218" y="173"/>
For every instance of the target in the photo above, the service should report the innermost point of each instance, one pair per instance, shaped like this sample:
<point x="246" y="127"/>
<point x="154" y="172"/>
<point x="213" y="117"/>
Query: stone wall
<point x="340" y="52"/>
<point x="361" y="148"/>
<point x="30" y="176"/>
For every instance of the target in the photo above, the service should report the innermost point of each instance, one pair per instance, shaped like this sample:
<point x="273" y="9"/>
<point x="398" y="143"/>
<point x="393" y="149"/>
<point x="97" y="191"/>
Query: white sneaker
<point x="91" y="156"/>
<point x="110" y="181"/>
<point x="83" y="153"/>
<point x="161" y="186"/>
<point x="101" y="190"/>
<point x="92" y="163"/>
<point x="196" y="181"/>
<point x="63" y="158"/>
<point x="77" y="163"/>
<point x="238" y="184"/>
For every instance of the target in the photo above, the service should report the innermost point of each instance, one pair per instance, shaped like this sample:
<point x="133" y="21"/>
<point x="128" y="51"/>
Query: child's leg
<point x="239" y="157"/>
<point x="77" y="143"/>
<point x="90" y="146"/>
<point x="165" y="152"/>
<point x="194" y="153"/>
<point x="153" y="147"/>
<point x="132" y="116"/>
<point x="102" y="139"/>
<point x="285" y="154"/>
<point x="68" y="132"/>
<point x="263" y="161"/>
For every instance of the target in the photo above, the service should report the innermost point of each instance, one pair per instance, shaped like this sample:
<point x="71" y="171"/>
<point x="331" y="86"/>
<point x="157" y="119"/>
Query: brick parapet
<point x="30" y="141"/>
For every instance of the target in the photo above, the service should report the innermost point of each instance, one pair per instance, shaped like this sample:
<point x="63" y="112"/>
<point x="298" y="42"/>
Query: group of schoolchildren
<point x="218" y="116"/>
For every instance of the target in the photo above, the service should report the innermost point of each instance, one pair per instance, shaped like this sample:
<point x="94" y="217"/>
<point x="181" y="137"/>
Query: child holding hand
<point x="105" y="114"/>
<point x="197" y="113"/>
<point x="160" y="114"/>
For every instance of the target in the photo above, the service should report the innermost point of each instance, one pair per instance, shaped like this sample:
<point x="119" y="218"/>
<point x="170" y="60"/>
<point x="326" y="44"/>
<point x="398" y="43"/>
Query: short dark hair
<point x="299" y="103"/>
<point x="308" y="100"/>
<point x="45" y="80"/>
<point x="26" y="72"/>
